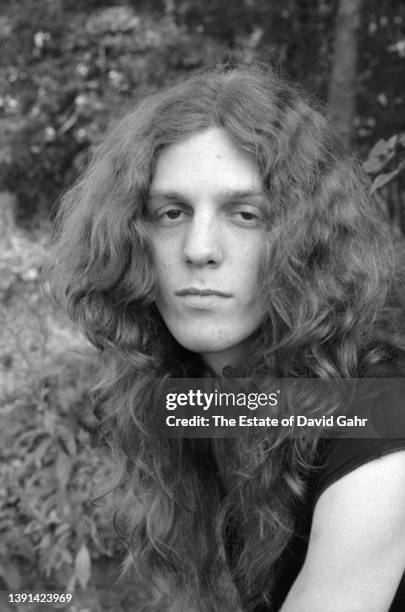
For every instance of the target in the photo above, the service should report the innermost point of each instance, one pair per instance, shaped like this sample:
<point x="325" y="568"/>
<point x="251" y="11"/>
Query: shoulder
<point x="357" y="541"/>
<point x="369" y="497"/>
<point x="381" y="402"/>
<point x="358" y="525"/>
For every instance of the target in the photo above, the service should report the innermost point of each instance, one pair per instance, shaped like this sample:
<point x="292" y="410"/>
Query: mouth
<point x="202" y="292"/>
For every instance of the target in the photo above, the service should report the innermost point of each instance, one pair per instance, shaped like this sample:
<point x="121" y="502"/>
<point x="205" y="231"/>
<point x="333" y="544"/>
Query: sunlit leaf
<point x="382" y="152"/>
<point x="380" y="148"/>
<point x="391" y="142"/>
<point x="83" y="566"/>
<point x="382" y="179"/>
<point x="373" y="165"/>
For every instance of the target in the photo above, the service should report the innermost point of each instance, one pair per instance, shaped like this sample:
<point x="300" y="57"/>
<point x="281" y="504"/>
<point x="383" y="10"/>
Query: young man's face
<point x="206" y="207"/>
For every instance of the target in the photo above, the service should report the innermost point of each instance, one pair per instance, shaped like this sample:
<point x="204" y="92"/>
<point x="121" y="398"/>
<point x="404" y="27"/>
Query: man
<point x="222" y="225"/>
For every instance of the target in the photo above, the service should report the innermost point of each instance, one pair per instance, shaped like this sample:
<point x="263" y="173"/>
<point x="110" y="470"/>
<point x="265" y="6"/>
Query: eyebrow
<point x="223" y="195"/>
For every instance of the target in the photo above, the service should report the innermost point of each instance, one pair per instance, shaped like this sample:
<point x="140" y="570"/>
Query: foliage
<point x="48" y="481"/>
<point x="49" y="473"/>
<point x="67" y="69"/>
<point x="386" y="160"/>
<point x="385" y="165"/>
<point x="51" y="534"/>
<point x="65" y="78"/>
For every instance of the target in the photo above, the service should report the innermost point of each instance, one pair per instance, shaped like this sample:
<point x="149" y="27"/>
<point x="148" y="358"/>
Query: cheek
<point x="165" y="270"/>
<point x="250" y="276"/>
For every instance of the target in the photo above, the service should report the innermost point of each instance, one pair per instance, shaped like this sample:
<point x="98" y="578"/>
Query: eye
<point x="247" y="217"/>
<point x="171" y="215"/>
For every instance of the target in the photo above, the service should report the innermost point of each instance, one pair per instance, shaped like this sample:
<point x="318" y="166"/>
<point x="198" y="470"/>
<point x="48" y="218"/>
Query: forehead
<point x="208" y="160"/>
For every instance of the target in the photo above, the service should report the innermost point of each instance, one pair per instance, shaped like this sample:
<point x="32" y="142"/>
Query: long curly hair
<point x="328" y="276"/>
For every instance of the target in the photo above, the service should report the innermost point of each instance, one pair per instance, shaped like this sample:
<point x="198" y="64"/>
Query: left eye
<point x="173" y="213"/>
<point x="247" y="217"/>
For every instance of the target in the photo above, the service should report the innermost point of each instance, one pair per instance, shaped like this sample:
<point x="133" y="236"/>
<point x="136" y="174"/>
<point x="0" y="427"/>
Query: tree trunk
<point x="342" y="86"/>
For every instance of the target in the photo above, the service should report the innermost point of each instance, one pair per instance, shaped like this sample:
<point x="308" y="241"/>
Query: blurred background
<point x="67" y="69"/>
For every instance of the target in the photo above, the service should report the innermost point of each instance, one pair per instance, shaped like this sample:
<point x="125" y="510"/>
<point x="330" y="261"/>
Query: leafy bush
<point x="65" y="75"/>
<point x="51" y="535"/>
<point x="49" y="473"/>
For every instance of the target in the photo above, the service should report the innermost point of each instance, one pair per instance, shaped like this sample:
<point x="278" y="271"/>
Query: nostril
<point x="193" y="261"/>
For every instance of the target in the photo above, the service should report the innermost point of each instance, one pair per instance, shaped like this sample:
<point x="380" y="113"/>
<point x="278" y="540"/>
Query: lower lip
<point x="203" y="301"/>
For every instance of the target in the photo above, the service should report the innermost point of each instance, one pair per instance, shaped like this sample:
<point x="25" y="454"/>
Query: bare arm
<point x="356" y="553"/>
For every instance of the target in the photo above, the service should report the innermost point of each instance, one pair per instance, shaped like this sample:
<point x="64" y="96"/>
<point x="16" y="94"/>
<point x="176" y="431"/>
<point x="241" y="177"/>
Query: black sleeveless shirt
<point x="339" y="458"/>
<point x="335" y="458"/>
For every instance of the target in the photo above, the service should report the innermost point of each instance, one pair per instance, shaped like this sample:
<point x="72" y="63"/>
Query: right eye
<point x="170" y="215"/>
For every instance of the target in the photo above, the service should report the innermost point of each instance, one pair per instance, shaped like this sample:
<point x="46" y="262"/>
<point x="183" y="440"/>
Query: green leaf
<point x="63" y="469"/>
<point x="382" y="152"/>
<point x="391" y="142"/>
<point x="373" y="165"/>
<point x="382" y="179"/>
<point x="83" y="566"/>
<point x="383" y="147"/>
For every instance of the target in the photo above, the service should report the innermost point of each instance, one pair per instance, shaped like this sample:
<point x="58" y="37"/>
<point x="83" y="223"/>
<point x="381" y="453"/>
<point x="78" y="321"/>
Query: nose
<point x="202" y="242"/>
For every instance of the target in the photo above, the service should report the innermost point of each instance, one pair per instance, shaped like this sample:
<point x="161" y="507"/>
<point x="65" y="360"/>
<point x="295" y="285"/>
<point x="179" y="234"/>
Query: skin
<point x="206" y="210"/>
<point x="356" y="553"/>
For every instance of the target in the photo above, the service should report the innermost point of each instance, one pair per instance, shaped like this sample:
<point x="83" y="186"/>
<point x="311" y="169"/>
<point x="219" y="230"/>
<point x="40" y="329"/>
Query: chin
<point x="208" y="342"/>
<point x="202" y="343"/>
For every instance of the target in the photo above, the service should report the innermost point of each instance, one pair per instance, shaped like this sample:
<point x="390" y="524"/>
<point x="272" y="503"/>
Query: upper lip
<point x="197" y="291"/>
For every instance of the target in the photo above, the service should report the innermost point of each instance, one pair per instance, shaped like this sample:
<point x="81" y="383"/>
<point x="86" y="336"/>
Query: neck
<point x="232" y="358"/>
